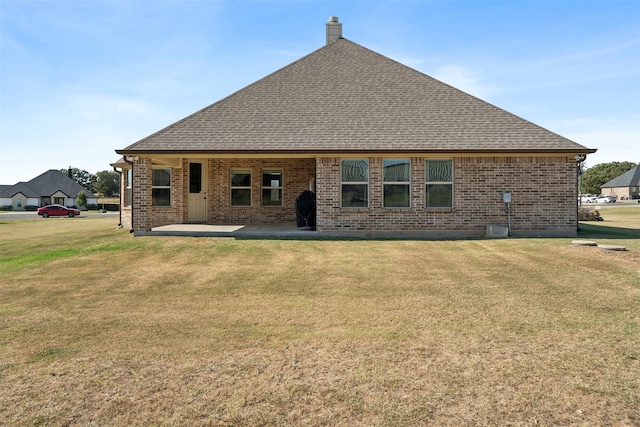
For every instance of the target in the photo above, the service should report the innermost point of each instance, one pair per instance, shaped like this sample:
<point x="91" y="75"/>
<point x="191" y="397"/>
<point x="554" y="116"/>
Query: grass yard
<point x="100" y="328"/>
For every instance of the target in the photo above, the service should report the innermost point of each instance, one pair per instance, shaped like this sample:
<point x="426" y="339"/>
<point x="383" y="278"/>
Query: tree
<point x="81" y="176"/>
<point x="81" y="200"/>
<point x="107" y="183"/>
<point x="602" y="173"/>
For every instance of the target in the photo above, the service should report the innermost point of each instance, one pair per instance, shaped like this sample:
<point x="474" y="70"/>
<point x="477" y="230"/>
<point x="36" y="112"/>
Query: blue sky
<point x="79" y="79"/>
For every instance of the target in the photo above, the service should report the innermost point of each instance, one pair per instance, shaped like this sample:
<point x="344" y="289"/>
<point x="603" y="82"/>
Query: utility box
<point x="496" y="231"/>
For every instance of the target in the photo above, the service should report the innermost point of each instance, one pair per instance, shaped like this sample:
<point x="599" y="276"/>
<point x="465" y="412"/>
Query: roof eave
<point x="316" y="153"/>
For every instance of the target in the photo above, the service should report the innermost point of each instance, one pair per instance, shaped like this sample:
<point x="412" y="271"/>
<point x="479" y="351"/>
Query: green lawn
<point x="100" y="328"/>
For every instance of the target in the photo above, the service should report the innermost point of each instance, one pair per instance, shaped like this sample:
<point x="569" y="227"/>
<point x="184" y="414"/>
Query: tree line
<point x="106" y="183"/>
<point x="596" y="176"/>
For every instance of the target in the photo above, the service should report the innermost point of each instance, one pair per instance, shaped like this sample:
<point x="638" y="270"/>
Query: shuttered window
<point x="439" y="183"/>
<point x="396" y="183"/>
<point x="355" y="183"/>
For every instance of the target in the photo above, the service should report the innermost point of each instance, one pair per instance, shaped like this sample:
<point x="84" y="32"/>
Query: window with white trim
<point x="272" y="188"/>
<point x="127" y="190"/>
<point x="439" y="183"/>
<point x="240" y="187"/>
<point x="355" y="183"/>
<point x="161" y="187"/>
<point x="396" y="178"/>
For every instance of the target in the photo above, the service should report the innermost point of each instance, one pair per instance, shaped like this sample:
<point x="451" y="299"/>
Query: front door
<point x="197" y="200"/>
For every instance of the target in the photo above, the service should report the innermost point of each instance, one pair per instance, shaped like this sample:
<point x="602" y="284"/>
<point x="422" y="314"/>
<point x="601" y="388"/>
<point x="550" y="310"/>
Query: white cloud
<point x="83" y="131"/>
<point x="464" y="79"/>
<point x="617" y="138"/>
<point x="622" y="145"/>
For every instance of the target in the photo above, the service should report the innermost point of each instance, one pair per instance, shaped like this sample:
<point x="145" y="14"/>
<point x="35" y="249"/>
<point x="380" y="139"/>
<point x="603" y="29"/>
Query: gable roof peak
<point x="344" y="97"/>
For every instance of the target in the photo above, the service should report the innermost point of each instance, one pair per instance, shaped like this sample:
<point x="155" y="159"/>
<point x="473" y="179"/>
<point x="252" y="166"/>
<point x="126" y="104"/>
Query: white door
<point x="197" y="200"/>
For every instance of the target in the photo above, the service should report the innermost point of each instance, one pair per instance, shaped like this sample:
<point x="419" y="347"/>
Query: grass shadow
<point x="597" y="230"/>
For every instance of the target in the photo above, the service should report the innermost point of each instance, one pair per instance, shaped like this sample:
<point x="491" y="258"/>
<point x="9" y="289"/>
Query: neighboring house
<point x="625" y="186"/>
<point x="52" y="187"/>
<point x="386" y="149"/>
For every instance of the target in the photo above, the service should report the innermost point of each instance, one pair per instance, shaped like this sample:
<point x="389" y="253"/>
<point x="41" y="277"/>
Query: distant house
<point x="625" y="186"/>
<point x="51" y="187"/>
<point x="386" y="149"/>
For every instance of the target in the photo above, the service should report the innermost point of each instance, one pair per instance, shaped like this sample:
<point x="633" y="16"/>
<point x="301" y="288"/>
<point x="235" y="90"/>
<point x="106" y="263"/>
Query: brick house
<point x="625" y="186"/>
<point x="385" y="148"/>
<point x="49" y="187"/>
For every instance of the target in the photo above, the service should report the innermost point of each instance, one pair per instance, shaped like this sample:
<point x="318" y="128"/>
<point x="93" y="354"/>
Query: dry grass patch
<point x="100" y="328"/>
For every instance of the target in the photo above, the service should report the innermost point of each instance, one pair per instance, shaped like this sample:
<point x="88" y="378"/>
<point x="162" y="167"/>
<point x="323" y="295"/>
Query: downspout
<point x="579" y="159"/>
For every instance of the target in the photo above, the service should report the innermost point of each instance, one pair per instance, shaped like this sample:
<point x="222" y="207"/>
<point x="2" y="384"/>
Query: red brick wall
<point x="543" y="189"/>
<point x="296" y="174"/>
<point x="543" y="197"/>
<point x="144" y="215"/>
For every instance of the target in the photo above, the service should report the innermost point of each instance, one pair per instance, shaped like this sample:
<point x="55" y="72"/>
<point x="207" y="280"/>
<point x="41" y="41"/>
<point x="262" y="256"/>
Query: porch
<point x="292" y="232"/>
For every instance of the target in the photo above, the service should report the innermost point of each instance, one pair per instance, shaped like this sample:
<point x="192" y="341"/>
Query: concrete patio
<point x="291" y="231"/>
<point x="252" y="231"/>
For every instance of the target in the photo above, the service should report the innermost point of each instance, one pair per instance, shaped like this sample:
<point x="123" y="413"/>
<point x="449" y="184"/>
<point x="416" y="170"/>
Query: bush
<point x="6" y="208"/>
<point x="81" y="200"/>
<point x="31" y="208"/>
<point x="92" y="207"/>
<point x="589" y="214"/>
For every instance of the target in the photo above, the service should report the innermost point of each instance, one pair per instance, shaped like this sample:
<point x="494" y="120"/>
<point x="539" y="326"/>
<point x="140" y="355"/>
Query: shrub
<point x="6" y="208"/>
<point x="31" y="208"/>
<point x="589" y="214"/>
<point x="81" y="200"/>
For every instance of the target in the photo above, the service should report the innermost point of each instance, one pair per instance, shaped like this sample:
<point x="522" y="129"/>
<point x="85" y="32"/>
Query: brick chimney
<point x="334" y="29"/>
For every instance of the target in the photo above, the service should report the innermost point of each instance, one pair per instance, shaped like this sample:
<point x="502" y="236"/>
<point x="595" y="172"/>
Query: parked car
<point x="57" y="210"/>
<point x="606" y="199"/>
<point x="588" y="198"/>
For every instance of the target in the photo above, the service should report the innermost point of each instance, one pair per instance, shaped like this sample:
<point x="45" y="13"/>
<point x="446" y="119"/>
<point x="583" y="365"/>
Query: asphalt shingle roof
<point x="344" y="97"/>
<point x="630" y="178"/>
<point x="47" y="184"/>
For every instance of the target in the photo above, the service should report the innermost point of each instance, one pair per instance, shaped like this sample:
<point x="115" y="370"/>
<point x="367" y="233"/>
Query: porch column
<point x="141" y="189"/>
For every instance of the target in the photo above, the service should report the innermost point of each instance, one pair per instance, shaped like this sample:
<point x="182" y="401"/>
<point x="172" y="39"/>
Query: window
<point x="355" y="183"/>
<point x="127" y="190"/>
<point x="240" y="187"/>
<point x="19" y="202"/>
<point x="195" y="178"/>
<point x="58" y="200"/>
<point x="161" y="187"/>
<point x="396" y="182"/>
<point x="272" y="188"/>
<point x="439" y="183"/>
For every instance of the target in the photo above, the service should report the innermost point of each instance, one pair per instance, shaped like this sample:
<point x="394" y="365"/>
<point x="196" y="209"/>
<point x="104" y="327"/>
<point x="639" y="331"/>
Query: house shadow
<point x="593" y="230"/>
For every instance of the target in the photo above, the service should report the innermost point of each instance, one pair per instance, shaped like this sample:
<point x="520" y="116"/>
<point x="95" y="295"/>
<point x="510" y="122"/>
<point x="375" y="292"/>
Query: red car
<point x="57" y="210"/>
